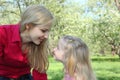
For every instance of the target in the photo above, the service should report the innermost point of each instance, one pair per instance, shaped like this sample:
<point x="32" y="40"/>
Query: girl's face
<point x="58" y="54"/>
<point x="39" y="33"/>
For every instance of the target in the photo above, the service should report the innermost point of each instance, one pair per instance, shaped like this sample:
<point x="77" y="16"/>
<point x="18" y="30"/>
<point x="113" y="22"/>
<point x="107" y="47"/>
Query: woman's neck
<point x="25" y="37"/>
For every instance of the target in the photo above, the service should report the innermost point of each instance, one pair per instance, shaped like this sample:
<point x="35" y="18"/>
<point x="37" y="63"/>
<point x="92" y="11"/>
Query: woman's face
<point x="39" y="33"/>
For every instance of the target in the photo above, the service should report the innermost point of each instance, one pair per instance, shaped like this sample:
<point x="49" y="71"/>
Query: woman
<point x="23" y="46"/>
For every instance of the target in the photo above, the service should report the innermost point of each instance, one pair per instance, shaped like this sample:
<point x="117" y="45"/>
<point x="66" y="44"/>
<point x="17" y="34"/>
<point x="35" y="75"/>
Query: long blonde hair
<point x="37" y="54"/>
<point x="76" y="58"/>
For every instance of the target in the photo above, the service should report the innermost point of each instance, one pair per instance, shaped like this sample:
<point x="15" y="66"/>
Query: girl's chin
<point x="57" y="59"/>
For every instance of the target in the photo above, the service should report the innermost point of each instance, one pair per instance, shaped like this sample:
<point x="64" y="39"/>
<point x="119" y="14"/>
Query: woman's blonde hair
<point x="76" y="58"/>
<point x="37" y="54"/>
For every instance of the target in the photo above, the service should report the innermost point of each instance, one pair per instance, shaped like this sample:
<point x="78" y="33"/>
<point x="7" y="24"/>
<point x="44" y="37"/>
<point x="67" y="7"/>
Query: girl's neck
<point x="67" y="75"/>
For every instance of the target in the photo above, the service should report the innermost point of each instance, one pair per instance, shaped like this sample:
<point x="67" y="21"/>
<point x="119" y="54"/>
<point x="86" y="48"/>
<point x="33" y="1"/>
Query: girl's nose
<point x="53" y="51"/>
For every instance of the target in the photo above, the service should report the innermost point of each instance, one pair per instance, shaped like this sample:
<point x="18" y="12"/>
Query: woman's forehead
<point x="47" y="23"/>
<point x="45" y="26"/>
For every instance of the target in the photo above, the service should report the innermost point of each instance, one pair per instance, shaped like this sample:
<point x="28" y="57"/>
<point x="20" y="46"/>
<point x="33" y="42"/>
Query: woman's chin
<point x="37" y="42"/>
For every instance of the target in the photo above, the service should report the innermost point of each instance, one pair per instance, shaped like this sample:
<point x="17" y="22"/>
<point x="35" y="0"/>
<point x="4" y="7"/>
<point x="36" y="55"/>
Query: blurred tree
<point x="105" y="27"/>
<point x="95" y="21"/>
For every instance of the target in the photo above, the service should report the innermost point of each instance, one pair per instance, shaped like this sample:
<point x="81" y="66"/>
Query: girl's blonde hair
<point x="76" y="58"/>
<point x="37" y="54"/>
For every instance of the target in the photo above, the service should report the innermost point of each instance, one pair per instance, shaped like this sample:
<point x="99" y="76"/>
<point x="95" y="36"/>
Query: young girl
<point x="23" y="46"/>
<point x="74" y="55"/>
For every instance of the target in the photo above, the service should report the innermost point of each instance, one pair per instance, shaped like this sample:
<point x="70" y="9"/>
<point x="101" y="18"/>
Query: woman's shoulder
<point x="8" y="30"/>
<point x="6" y="26"/>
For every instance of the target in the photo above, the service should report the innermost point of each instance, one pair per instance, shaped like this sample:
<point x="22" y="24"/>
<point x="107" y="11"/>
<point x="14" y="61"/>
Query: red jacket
<point x="13" y="62"/>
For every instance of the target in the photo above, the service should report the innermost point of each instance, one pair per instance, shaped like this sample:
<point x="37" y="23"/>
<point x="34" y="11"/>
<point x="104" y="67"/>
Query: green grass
<point x="105" y="67"/>
<point x="55" y="70"/>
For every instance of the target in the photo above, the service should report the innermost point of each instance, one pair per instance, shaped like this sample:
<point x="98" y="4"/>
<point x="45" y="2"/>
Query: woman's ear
<point x="28" y="26"/>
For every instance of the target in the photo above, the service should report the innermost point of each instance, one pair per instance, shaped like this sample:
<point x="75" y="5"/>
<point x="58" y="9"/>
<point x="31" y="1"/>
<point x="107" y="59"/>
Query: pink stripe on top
<point x="68" y="77"/>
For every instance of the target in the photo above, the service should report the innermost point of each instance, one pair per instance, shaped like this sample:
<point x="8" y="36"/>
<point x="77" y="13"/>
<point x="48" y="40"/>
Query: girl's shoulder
<point x="68" y="77"/>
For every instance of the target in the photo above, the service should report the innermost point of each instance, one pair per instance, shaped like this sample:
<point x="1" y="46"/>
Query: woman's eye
<point x="43" y="31"/>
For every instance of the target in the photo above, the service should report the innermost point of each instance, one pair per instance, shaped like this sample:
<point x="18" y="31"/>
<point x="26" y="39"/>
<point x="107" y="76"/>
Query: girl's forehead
<point x="61" y="43"/>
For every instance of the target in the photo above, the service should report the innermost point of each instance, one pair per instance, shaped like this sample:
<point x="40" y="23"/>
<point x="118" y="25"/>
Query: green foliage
<point x="104" y="26"/>
<point x="96" y="21"/>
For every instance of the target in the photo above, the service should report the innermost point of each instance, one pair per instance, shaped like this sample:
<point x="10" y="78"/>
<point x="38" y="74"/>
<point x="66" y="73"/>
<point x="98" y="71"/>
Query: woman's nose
<point x="54" y="49"/>
<point x="46" y="35"/>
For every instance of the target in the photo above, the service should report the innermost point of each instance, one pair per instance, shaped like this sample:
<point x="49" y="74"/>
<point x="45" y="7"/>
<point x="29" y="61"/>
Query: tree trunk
<point x="117" y="4"/>
<point x="113" y="50"/>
